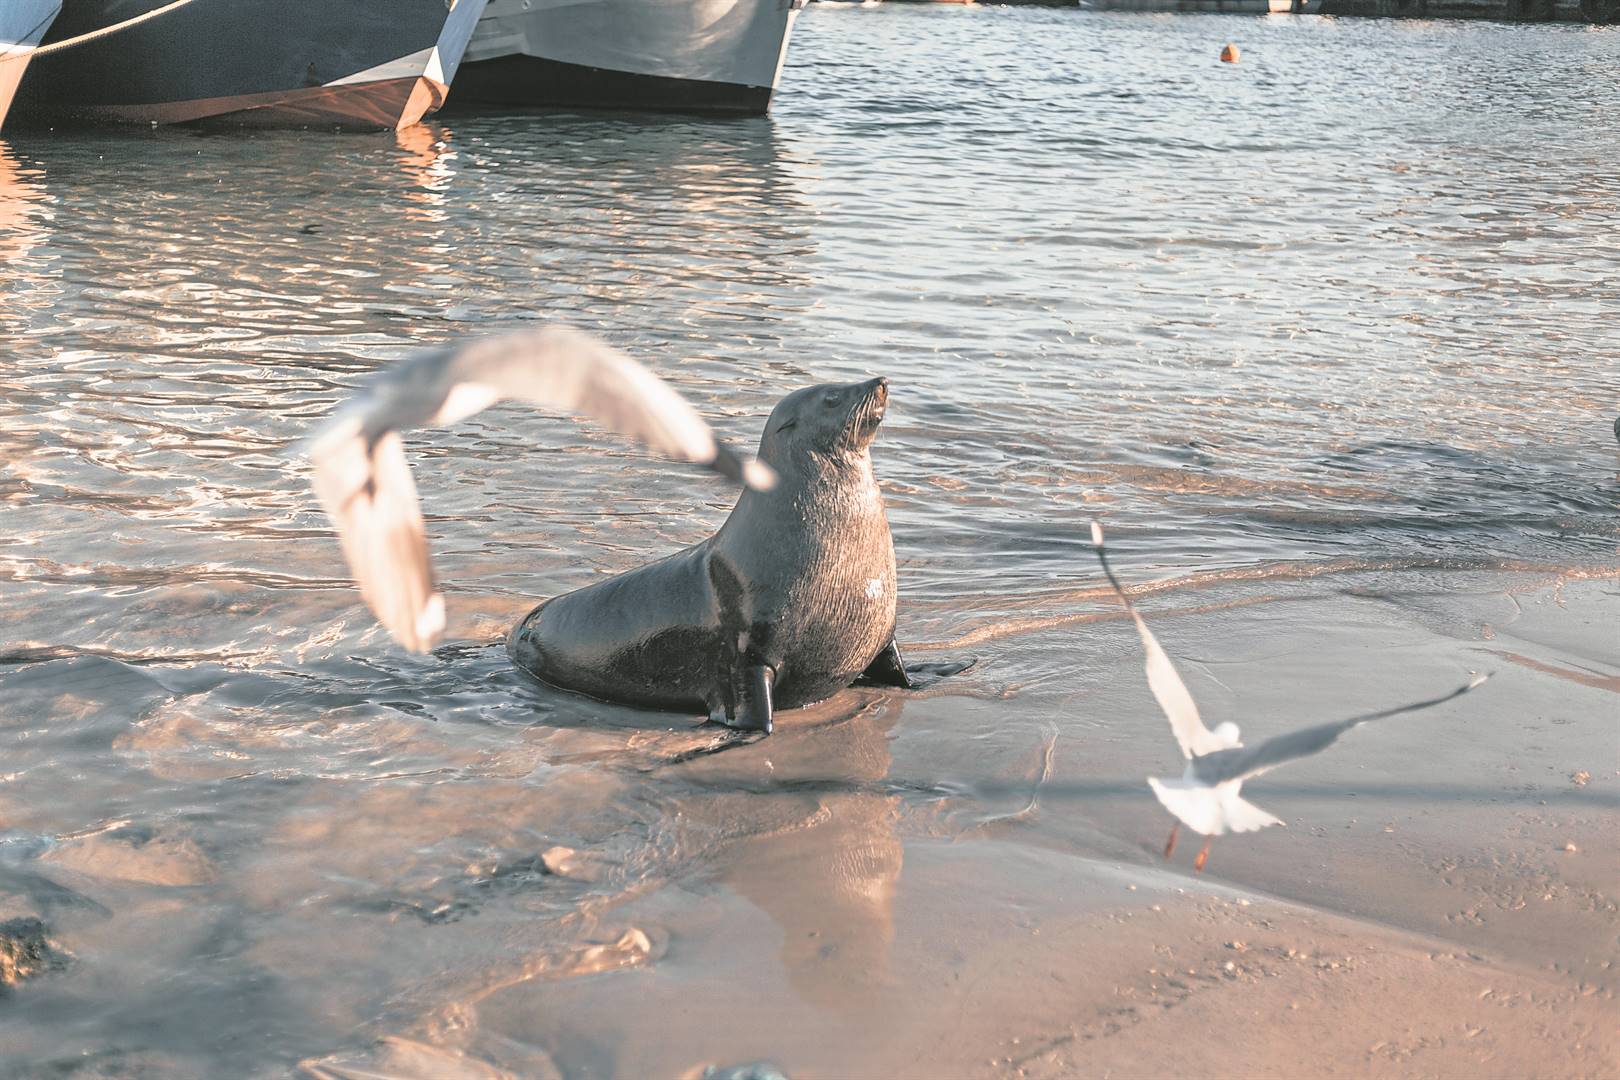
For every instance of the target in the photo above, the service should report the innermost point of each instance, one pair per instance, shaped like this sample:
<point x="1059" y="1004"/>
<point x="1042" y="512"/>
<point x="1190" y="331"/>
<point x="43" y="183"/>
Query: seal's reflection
<point x="829" y="882"/>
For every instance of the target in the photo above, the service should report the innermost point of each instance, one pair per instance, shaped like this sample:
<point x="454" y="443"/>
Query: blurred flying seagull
<point x="1206" y="797"/>
<point x="364" y="483"/>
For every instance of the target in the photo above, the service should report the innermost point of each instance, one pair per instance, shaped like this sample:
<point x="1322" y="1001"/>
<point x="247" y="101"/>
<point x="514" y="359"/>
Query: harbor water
<point x="1327" y="339"/>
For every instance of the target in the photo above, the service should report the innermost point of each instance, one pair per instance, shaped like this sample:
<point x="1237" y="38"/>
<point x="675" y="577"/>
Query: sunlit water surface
<point x="1346" y="308"/>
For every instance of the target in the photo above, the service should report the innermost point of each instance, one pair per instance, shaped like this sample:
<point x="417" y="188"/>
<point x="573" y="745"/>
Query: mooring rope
<point x="105" y="31"/>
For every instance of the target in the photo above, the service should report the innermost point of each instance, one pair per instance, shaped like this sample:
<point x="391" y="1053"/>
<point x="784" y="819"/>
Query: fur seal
<point x="792" y="599"/>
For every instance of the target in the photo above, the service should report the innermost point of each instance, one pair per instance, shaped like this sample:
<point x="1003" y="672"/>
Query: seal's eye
<point x="829" y="400"/>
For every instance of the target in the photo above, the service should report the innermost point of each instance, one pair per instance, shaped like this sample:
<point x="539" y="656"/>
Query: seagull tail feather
<point x="1210" y="811"/>
<point x="1194" y="805"/>
<point x="1243" y="816"/>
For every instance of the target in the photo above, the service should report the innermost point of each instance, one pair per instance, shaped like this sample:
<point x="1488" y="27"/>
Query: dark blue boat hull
<point x="271" y="63"/>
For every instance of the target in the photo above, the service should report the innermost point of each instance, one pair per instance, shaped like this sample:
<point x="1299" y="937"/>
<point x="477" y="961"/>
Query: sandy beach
<point x="863" y="895"/>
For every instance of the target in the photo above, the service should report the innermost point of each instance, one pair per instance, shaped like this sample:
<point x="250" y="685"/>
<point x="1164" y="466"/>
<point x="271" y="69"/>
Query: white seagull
<point x="1206" y="798"/>
<point x="364" y="483"/>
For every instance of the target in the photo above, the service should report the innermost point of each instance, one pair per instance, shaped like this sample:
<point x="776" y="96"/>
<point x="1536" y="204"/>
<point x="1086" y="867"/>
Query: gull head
<point x="1228" y="734"/>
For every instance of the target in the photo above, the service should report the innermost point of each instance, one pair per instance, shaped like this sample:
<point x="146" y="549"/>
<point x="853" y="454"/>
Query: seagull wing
<point x="1166" y="684"/>
<point x="564" y="368"/>
<point x="364" y="483"/>
<point x="1244" y="762"/>
<point x="366" y="488"/>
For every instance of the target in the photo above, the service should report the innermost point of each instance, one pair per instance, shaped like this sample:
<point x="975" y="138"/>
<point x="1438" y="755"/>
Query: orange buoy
<point x="1231" y="54"/>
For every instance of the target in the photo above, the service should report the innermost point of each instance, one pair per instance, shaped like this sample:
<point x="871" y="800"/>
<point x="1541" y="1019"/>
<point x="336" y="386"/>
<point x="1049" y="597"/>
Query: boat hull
<point x="670" y="55"/>
<point x="23" y="23"/>
<point x="257" y="63"/>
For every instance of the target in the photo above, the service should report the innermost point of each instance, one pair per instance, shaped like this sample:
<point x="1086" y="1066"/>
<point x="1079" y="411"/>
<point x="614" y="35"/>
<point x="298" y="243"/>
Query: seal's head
<point x="828" y="424"/>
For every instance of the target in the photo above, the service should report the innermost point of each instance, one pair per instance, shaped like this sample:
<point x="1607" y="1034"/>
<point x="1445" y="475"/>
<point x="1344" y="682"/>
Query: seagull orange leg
<point x="1171" y="846"/>
<point x="1203" y="856"/>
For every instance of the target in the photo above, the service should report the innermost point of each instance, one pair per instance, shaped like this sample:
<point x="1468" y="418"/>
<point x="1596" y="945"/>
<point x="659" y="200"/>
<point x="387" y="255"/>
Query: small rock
<point x="1569" y="846"/>
<point x="756" y="1070"/>
<point x="557" y="860"/>
<point x="1237" y="946"/>
<point x="631" y="950"/>
<point x="577" y="866"/>
<point x="26" y="951"/>
<point x="1580" y="777"/>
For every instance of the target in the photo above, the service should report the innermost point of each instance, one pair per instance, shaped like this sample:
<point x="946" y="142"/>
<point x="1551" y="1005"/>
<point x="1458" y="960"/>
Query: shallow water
<point x="1337" y="321"/>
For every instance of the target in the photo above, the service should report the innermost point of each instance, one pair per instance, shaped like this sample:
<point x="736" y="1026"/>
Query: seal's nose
<point x="868" y="409"/>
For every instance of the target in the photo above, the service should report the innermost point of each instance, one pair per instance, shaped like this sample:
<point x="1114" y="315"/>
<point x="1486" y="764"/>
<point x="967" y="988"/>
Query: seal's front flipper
<point x="889" y="669"/>
<point x="753" y="709"/>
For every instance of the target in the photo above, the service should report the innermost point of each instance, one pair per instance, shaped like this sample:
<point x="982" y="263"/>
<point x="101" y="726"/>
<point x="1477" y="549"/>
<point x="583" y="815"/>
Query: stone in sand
<point x="26" y="950"/>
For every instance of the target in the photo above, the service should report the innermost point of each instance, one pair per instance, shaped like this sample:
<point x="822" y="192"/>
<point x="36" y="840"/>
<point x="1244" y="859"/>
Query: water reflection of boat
<point x="22" y="24"/>
<point x="263" y="63"/>
<point x="675" y="55"/>
<point x="22" y="208"/>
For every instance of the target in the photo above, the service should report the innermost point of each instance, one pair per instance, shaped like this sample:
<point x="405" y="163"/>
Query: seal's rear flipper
<point x="890" y="669"/>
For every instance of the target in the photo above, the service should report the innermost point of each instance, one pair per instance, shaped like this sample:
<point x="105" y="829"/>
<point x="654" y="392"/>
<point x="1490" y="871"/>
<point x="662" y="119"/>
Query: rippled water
<point x="1346" y="307"/>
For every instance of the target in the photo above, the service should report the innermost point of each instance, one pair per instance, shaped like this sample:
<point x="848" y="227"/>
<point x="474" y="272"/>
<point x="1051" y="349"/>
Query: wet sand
<point x="963" y="881"/>
<point x="1444" y="902"/>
